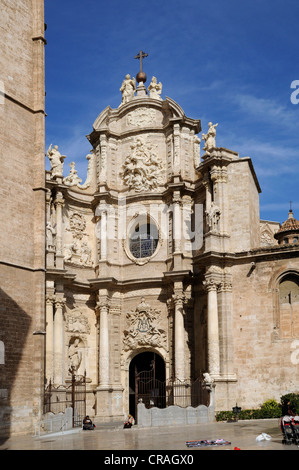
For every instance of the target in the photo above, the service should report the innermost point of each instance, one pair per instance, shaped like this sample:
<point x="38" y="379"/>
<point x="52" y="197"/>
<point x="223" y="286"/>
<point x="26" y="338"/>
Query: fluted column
<point x="179" y="334"/>
<point x="103" y="235"/>
<point x="103" y="312"/>
<point x="49" y="337"/>
<point x="59" y="203"/>
<point x="58" y="342"/>
<point x="211" y="286"/>
<point x="177" y="223"/>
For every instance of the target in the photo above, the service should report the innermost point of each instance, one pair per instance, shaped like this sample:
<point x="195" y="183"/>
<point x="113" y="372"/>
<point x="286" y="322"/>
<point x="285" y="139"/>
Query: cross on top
<point x="141" y="55"/>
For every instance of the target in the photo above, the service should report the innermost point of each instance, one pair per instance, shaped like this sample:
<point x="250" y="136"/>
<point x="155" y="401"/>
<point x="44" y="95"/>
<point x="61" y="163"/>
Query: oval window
<point x="143" y="239"/>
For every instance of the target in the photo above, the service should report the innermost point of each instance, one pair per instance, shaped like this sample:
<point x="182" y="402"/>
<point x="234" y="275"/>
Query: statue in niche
<point x="213" y="217"/>
<point x="74" y="356"/>
<point x="72" y="179"/>
<point x="56" y="160"/>
<point x="155" y="89"/>
<point x="128" y="89"/>
<point x="209" y="138"/>
<point x="50" y="232"/>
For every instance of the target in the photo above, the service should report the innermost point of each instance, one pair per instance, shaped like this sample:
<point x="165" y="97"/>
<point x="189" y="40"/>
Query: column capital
<point x="50" y="299"/>
<point x="178" y="298"/>
<point x="103" y="304"/>
<point x="211" y="284"/>
<point x="60" y="302"/>
<point x="59" y="199"/>
<point x="225" y="286"/>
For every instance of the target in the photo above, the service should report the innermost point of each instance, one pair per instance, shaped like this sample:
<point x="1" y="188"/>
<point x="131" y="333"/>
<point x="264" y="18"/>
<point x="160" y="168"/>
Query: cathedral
<point x="156" y="261"/>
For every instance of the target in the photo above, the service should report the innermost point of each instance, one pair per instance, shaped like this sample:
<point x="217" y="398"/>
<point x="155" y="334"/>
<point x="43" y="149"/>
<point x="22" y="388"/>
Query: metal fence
<point x="186" y="393"/>
<point x="58" y="398"/>
<point x="155" y="393"/>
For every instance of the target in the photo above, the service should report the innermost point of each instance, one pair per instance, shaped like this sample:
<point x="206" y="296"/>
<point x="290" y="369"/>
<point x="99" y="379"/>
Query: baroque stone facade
<point x="159" y="253"/>
<point x="163" y="251"/>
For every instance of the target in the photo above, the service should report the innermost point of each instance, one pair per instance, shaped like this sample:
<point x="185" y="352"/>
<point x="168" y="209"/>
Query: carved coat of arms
<point x="142" y="169"/>
<point x="143" y="328"/>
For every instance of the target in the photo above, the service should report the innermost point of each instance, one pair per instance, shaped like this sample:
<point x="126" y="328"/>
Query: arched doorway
<point x="146" y="381"/>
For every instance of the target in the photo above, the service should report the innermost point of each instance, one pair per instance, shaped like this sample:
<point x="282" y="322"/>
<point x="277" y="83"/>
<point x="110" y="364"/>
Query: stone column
<point x="104" y="235"/>
<point x="50" y="299"/>
<point x="103" y="311"/>
<point x="211" y="286"/>
<point x="58" y="342"/>
<point x="177" y="224"/>
<point x="179" y="333"/>
<point x="59" y="203"/>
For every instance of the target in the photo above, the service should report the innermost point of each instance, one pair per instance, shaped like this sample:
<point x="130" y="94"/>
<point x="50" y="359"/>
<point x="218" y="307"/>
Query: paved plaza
<point x="112" y="439"/>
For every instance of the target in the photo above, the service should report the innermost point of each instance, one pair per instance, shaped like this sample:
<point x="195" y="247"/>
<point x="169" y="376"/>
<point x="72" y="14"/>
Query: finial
<point x="141" y="76"/>
<point x="291" y="210"/>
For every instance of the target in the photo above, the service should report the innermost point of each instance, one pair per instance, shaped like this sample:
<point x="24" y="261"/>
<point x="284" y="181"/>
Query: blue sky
<point x="225" y="61"/>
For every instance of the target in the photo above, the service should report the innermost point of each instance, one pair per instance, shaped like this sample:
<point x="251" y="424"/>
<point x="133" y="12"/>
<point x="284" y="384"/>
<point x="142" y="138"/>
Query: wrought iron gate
<point x="160" y="394"/>
<point x="58" y="399"/>
<point x="149" y="389"/>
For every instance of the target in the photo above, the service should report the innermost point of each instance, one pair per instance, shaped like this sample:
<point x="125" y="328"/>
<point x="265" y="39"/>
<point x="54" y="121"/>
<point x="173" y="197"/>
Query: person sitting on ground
<point x="88" y="424"/>
<point x="130" y="421"/>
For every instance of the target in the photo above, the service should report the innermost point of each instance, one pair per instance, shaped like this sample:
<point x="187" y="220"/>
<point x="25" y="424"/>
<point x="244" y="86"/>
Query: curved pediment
<point x="142" y="113"/>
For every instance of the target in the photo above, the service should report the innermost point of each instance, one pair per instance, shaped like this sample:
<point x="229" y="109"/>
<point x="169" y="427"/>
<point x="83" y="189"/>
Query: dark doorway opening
<point x="146" y="381"/>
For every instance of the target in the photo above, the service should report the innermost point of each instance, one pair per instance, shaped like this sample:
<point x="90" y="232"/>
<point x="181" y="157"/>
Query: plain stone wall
<point x="173" y="415"/>
<point x="22" y="213"/>
<point x="262" y="359"/>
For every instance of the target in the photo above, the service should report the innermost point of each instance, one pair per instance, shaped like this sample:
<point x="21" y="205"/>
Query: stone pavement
<point x="113" y="439"/>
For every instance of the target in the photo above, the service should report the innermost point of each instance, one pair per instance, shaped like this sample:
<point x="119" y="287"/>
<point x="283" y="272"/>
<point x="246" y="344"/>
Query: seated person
<point x="130" y="421"/>
<point x="88" y="424"/>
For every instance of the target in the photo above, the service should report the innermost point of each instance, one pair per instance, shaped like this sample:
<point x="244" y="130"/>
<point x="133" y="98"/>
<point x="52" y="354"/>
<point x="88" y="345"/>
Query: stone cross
<point x="141" y="55"/>
<point x="117" y="398"/>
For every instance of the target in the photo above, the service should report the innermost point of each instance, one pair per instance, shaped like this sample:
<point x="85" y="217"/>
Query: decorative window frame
<point x="130" y="229"/>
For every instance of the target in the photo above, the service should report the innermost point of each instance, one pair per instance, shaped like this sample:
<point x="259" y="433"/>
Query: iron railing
<point x="58" y="398"/>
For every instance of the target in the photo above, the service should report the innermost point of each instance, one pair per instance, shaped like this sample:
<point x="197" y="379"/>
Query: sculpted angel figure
<point x="155" y="89"/>
<point x="209" y="138"/>
<point x="128" y="88"/>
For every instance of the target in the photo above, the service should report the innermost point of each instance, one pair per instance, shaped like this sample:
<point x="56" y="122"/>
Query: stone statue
<point x="56" y="160"/>
<point x="209" y="138"/>
<point x="155" y="89"/>
<point x="75" y="356"/>
<point x="72" y="179"/>
<point x="50" y="232"/>
<point x="128" y="89"/>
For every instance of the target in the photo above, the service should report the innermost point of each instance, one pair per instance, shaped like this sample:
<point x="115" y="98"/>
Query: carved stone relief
<point x="143" y="328"/>
<point x="77" y="225"/>
<point x="141" y="117"/>
<point x="78" y="251"/>
<point x="142" y="169"/>
<point x="76" y="322"/>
